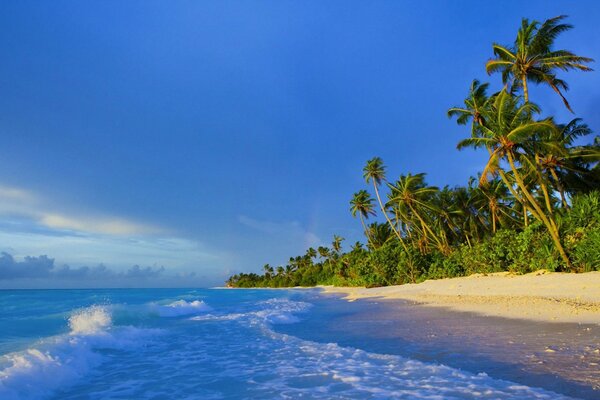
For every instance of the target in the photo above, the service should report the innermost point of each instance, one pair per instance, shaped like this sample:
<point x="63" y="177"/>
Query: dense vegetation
<point x="535" y="204"/>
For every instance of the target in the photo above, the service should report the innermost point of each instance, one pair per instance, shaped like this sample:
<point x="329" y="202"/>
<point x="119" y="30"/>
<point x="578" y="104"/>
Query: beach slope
<point x="538" y="296"/>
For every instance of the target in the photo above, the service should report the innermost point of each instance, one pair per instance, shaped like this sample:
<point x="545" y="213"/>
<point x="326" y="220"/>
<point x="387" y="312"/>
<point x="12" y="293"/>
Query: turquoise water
<point x="204" y="344"/>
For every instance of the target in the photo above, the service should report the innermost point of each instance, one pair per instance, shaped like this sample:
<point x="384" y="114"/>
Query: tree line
<point x="534" y="205"/>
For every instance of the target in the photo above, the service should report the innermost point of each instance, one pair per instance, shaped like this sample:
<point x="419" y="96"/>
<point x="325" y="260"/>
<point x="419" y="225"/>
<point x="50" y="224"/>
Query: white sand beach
<point x="539" y="296"/>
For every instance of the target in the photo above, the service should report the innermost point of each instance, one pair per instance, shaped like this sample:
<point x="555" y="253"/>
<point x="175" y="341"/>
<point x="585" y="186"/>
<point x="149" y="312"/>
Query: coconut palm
<point x="532" y="58"/>
<point x="566" y="160"/>
<point x="380" y="234"/>
<point x="337" y="244"/>
<point x="496" y="203"/>
<point x="508" y="135"/>
<point x="362" y="204"/>
<point x="324" y="252"/>
<point x="374" y="171"/>
<point x="268" y="271"/>
<point x="474" y="104"/>
<point x="413" y="200"/>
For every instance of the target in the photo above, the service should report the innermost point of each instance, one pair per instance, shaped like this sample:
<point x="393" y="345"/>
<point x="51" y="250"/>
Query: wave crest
<point x="181" y="307"/>
<point x="90" y="320"/>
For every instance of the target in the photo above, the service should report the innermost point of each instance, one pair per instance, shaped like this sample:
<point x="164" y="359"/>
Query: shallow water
<point x="213" y="344"/>
<point x="561" y="357"/>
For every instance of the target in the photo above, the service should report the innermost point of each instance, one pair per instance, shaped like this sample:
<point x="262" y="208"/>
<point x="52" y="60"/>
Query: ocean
<point x="209" y="344"/>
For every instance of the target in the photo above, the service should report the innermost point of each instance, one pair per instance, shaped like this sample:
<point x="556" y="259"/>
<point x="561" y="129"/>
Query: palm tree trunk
<point x="386" y="216"/>
<point x="362" y="221"/>
<point x="426" y="229"/>
<point x="560" y="188"/>
<point x="520" y="199"/>
<point x="525" y="90"/>
<point x="552" y="229"/>
<point x="544" y="188"/>
<point x="468" y="241"/>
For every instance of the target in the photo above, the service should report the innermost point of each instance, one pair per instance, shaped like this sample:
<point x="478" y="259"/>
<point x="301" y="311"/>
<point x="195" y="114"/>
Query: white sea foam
<point x="90" y="320"/>
<point x="272" y="312"/>
<point x="181" y="307"/>
<point x="59" y="361"/>
<point x="299" y="368"/>
<point x="242" y="347"/>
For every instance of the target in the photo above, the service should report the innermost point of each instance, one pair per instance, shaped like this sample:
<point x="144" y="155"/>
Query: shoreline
<point x="539" y="296"/>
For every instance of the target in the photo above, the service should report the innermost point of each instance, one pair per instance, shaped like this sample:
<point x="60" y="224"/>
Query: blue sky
<point x="196" y="139"/>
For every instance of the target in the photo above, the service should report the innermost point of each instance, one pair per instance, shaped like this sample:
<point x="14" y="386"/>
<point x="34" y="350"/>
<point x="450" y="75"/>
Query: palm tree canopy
<point x="475" y="102"/>
<point x="362" y="204"/>
<point x="337" y="243"/>
<point x="374" y="171"/>
<point x="533" y="58"/>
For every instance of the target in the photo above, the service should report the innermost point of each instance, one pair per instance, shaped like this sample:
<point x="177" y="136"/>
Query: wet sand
<point x="562" y="357"/>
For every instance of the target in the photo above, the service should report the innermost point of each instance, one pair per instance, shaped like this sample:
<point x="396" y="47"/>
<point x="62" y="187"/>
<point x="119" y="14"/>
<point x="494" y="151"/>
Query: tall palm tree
<point x="507" y="134"/>
<point x="362" y="204"/>
<point x="475" y="105"/>
<point x="532" y="58"/>
<point x="374" y="171"/>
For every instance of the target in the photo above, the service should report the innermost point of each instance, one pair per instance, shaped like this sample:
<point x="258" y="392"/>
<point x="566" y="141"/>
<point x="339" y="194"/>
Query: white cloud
<point x="31" y="225"/>
<point x="22" y="203"/>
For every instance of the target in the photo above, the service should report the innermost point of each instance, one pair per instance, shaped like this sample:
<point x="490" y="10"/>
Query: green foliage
<point x="537" y="205"/>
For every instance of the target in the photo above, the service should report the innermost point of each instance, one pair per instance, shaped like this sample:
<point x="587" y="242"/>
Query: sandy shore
<point x="539" y="296"/>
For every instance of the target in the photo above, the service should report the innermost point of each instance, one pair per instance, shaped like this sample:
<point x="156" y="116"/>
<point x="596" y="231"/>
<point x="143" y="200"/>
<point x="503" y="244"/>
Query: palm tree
<point x="413" y="199"/>
<point x="324" y="252"/>
<point x="311" y="253"/>
<point x="475" y="102"/>
<point x="268" y="271"/>
<point x="380" y="234"/>
<point x="532" y="57"/>
<point x="357" y="246"/>
<point x="564" y="159"/>
<point x="495" y="194"/>
<point x="374" y="172"/>
<point x="337" y="243"/>
<point x="362" y="204"/>
<point x="508" y="134"/>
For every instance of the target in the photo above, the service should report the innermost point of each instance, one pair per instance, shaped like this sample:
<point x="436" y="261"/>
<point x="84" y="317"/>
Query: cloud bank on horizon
<point x="42" y="272"/>
<point x="30" y="224"/>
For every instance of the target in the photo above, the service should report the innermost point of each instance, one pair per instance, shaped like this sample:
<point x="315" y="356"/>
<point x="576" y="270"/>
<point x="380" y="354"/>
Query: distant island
<point x="534" y="205"/>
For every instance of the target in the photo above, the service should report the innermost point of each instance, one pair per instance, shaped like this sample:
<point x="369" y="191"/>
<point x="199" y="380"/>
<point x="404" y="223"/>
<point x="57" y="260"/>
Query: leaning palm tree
<point x="362" y="204"/>
<point x="374" y="172"/>
<point x="532" y="58"/>
<point x="413" y="200"/>
<point x="508" y="135"/>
